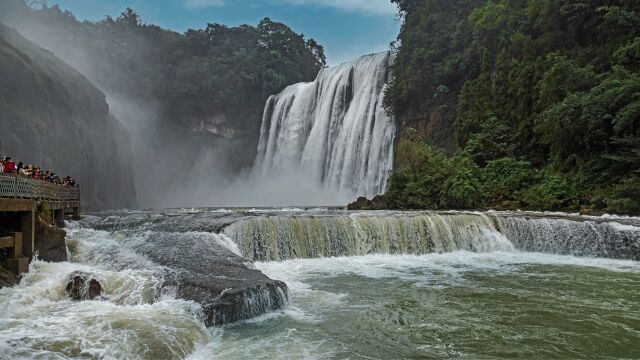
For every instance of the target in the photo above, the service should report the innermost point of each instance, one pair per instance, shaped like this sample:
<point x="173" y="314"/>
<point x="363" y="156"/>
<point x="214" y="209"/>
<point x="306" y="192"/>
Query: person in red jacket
<point x="9" y="166"/>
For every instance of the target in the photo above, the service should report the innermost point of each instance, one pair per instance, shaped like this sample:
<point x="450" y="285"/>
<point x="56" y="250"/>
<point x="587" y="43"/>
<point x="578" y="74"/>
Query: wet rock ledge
<point x="225" y="284"/>
<point x="199" y="267"/>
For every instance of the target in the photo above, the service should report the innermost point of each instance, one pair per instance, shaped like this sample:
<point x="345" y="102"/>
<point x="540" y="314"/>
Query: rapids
<point x="360" y="285"/>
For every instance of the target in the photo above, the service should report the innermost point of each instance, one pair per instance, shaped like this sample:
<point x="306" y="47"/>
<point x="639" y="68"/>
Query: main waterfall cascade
<point x="335" y="129"/>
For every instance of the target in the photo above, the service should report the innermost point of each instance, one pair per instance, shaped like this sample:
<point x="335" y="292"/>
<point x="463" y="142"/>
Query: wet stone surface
<point x="83" y="286"/>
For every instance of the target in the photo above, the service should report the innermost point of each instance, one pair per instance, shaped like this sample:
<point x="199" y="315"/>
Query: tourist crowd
<point x="8" y="166"/>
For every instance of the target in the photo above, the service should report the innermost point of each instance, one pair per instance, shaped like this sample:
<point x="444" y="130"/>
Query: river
<point x="403" y="285"/>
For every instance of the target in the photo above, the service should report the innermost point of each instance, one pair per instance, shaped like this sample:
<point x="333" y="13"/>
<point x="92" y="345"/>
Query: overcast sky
<point x="346" y="28"/>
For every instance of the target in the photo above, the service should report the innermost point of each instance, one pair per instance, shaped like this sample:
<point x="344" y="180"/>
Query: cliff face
<point x="53" y="117"/>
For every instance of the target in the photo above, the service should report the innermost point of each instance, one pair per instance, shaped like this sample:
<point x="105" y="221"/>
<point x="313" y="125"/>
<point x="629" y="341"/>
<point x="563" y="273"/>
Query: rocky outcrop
<point x="83" y="286"/>
<point x="365" y="204"/>
<point x="50" y="241"/>
<point x="225" y="284"/>
<point x="197" y="262"/>
<point x="52" y="116"/>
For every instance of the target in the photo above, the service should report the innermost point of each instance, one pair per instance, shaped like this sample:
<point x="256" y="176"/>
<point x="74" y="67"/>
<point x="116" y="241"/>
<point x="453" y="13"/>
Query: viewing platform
<point x="21" y="199"/>
<point x="17" y="192"/>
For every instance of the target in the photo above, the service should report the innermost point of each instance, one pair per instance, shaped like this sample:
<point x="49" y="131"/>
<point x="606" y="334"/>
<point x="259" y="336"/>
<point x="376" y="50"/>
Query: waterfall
<point x="334" y="129"/>
<point x="301" y="236"/>
<point x="607" y="239"/>
<point x="282" y="238"/>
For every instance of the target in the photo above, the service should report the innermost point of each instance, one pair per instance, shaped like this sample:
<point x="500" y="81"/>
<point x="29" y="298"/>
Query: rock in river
<point x="83" y="286"/>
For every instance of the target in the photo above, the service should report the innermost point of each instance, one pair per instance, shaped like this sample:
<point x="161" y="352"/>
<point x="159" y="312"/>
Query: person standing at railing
<point x="69" y="181"/>
<point x="28" y="171"/>
<point x="8" y="166"/>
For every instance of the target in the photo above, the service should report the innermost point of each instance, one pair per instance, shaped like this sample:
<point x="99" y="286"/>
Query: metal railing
<point x="14" y="186"/>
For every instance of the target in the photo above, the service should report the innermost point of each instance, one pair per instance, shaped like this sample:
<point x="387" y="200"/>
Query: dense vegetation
<point x="543" y="97"/>
<point x="218" y="74"/>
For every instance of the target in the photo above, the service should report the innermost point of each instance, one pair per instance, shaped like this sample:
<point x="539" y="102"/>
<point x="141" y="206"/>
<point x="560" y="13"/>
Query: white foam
<point x="622" y="227"/>
<point x="296" y="272"/>
<point x="37" y="318"/>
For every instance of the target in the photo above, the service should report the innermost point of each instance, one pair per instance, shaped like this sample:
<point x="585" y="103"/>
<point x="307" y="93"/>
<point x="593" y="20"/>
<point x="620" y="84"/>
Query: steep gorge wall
<point x="52" y="116"/>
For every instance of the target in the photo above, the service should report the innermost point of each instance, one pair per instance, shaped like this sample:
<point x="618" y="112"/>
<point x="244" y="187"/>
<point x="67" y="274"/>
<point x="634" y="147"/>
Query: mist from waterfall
<point x="334" y="132"/>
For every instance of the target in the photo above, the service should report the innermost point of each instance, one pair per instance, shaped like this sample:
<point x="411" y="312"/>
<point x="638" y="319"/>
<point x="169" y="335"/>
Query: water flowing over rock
<point x="208" y="273"/>
<point x="607" y="239"/>
<point x="168" y="275"/>
<point x="294" y="236"/>
<point x="334" y="128"/>
<point x="196" y="263"/>
<point x="205" y="255"/>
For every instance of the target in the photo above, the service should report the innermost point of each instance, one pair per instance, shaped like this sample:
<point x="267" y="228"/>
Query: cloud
<point x="347" y="53"/>
<point x="198" y="4"/>
<point x="370" y="7"/>
<point x="367" y="7"/>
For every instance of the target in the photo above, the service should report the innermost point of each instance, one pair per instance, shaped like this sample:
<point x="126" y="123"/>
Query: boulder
<point x="365" y="204"/>
<point x="83" y="286"/>
<point x="226" y="286"/>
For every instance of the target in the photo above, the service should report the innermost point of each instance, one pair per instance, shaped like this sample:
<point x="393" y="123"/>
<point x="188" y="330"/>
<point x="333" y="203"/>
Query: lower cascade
<point x="334" y="128"/>
<point x="277" y="238"/>
<point x="210" y="283"/>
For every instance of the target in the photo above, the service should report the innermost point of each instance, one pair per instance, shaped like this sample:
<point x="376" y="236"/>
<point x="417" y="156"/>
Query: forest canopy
<point x="196" y="75"/>
<point x="542" y="96"/>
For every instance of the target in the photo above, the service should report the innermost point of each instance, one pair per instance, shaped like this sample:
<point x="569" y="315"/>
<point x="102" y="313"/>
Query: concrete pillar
<point x="16" y="250"/>
<point x="17" y="263"/>
<point x="28" y="226"/>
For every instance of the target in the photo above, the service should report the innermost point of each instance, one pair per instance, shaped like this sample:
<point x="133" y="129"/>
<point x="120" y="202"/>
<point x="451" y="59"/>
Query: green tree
<point x="494" y="140"/>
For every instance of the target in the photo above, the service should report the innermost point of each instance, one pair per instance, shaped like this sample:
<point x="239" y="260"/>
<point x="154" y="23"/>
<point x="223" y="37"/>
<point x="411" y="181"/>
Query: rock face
<point x="82" y="286"/>
<point x="52" y="116"/>
<point x="50" y="241"/>
<point x="362" y="203"/>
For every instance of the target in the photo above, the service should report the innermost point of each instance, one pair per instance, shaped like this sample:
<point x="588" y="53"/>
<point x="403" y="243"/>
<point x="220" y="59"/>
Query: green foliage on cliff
<point x="544" y="99"/>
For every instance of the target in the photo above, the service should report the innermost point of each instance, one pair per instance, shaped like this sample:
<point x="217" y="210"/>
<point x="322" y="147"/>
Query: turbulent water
<point x="405" y="285"/>
<point x="334" y="129"/>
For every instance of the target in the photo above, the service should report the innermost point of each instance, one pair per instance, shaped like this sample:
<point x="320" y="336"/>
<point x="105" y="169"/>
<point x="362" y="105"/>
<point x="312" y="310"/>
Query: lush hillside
<point x="192" y="100"/>
<point x="193" y="75"/>
<point x="537" y="103"/>
<point x="53" y="117"/>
